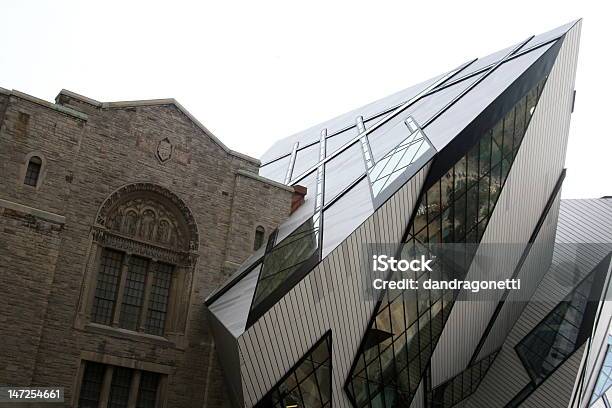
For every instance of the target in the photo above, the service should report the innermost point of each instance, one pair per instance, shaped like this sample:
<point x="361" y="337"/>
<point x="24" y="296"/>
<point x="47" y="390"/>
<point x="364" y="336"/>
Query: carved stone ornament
<point x="164" y="150"/>
<point x="149" y="213"/>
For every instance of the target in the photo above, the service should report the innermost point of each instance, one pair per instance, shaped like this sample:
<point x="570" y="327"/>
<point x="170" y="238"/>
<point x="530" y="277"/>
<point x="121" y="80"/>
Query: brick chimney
<point x="299" y="192"/>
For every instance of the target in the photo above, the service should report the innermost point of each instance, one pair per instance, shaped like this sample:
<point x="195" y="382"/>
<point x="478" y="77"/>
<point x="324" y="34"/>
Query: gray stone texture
<point x="43" y="260"/>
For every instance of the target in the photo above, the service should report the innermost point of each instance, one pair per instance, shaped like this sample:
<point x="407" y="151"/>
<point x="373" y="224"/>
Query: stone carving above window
<point x="149" y="213"/>
<point x="147" y="220"/>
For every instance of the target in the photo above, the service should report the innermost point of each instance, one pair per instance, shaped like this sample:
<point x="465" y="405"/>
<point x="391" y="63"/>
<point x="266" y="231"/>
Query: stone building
<point x="117" y="220"/>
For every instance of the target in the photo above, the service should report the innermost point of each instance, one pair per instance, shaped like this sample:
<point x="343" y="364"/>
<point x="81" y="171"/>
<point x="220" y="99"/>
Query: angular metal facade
<point x="371" y="176"/>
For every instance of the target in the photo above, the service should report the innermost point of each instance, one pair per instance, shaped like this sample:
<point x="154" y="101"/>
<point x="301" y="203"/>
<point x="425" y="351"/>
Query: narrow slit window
<point x="259" y="237"/>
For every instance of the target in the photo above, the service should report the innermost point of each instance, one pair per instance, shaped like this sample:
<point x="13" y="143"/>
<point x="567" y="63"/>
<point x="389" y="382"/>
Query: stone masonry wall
<point x="86" y="161"/>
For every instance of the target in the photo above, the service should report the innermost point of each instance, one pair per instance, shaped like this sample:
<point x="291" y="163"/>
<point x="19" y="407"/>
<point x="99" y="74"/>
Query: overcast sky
<point x="257" y="71"/>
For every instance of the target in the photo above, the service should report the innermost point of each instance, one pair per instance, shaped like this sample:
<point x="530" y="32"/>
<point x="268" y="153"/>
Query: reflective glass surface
<point x="461" y="386"/>
<point x="556" y="337"/>
<point x="604" y="380"/>
<point x="394" y="163"/>
<point x="286" y="258"/>
<point x="308" y="384"/>
<point x="455" y="209"/>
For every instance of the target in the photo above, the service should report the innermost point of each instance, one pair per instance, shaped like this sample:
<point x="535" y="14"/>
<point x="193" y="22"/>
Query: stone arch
<point x="139" y="210"/>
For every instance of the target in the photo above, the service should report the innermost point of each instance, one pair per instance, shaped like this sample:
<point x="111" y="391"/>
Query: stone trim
<point x="128" y="334"/>
<point x="126" y="362"/>
<point x="43" y="215"/>
<point x="158" y="102"/>
<point x="59" y="108"/>
<point x="265" y="180"/>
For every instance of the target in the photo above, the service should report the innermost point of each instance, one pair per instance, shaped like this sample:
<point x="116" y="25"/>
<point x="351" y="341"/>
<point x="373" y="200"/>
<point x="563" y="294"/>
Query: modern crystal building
<point x="475" y="156"/>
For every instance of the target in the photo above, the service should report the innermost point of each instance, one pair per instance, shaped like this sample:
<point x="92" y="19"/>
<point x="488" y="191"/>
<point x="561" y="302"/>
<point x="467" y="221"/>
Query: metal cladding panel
<point x="232" y="308"/>
<point x="446" y="127"/>
<point x="556" y="391"/>
<point x="418" y="401"/>
<point x="531" y="273"/>
<point x="596" y="355"/>
<point x="346" y="120"/>
<point x="332" y="296"/>
<point x="508" y="367"/>
<point x="227" y="351"/>
<point x="523" y="198"/>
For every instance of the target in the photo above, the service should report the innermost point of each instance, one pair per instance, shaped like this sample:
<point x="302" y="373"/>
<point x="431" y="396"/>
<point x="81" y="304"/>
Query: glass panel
<point x="160" y="293"/>
<point x="454" y="209"/>
<point x="312" y="386"/>
<point x="91" y="385"/>
<point x="147" y="390"/>
<point x="546" y="347"/>
<point x="107" y="285"/>
<point x="120" y="387"/>
<point x="285" y="259"/>
<point x="133" y="293"/>
<point x="461" y="386"/>
<point x="398" y="160"/>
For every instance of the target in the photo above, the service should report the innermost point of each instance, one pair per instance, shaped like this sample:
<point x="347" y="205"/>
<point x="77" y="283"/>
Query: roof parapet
<point x="156" y="102"/>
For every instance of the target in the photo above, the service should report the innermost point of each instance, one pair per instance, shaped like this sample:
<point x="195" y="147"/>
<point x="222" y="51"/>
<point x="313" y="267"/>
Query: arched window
<point x="259" y="237"/>
<point x="146" y="241"/>
<point x="33" y="171"/>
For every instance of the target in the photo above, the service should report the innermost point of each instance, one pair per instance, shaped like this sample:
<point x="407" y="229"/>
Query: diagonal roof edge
<point x="157" y="102"/>
<point x="62" y="109"/>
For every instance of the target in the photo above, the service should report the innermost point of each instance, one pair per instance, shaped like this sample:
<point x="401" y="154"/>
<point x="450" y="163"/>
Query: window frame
<point x="110" y="363"/>
<point x="259" y="229"/>
<point x="41" y="171"/>
<point x="151" y="271"/>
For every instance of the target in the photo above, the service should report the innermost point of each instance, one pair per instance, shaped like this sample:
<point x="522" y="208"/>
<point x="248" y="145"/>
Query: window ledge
<point x="128" y="334"/>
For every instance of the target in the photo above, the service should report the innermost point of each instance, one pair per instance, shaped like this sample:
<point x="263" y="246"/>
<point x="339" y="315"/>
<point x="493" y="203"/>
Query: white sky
<point x="258" y="71"/>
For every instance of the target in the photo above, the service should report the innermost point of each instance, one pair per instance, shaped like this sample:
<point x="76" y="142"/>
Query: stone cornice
<point x="264" y="180"/>
<point x="59" y="108"/>
<point x="35" y="212"/>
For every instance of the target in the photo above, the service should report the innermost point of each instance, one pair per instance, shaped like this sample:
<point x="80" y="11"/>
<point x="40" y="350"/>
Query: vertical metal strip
<point x="291" y="163"/>
<point x="365" y="145"/>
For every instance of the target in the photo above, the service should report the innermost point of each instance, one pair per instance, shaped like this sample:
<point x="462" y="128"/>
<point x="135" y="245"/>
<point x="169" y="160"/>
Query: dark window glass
<point x="133" y="293"/>
<point x="33" y="171"/>
<point x="107" y="285"/>
<point x="557" y="337"/>
<point x="147" y="391"/>
<point x="120" y="387"/>
<point x="461" y="386"/>
<point x="286" y="258"/>
<point x="259" y="237"/>
<point x="456" y="209"/>
<point x="308" y="384"/>
<point x="158" y="305"/>
<point x="93" y="377"/>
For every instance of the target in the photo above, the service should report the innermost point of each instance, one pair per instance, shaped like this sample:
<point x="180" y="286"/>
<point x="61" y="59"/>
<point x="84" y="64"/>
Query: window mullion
<point x="151" y="271"/>
<point x="119" y="299"/>
<point x="134" y="387"/>
<point x="106" y="386"/>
